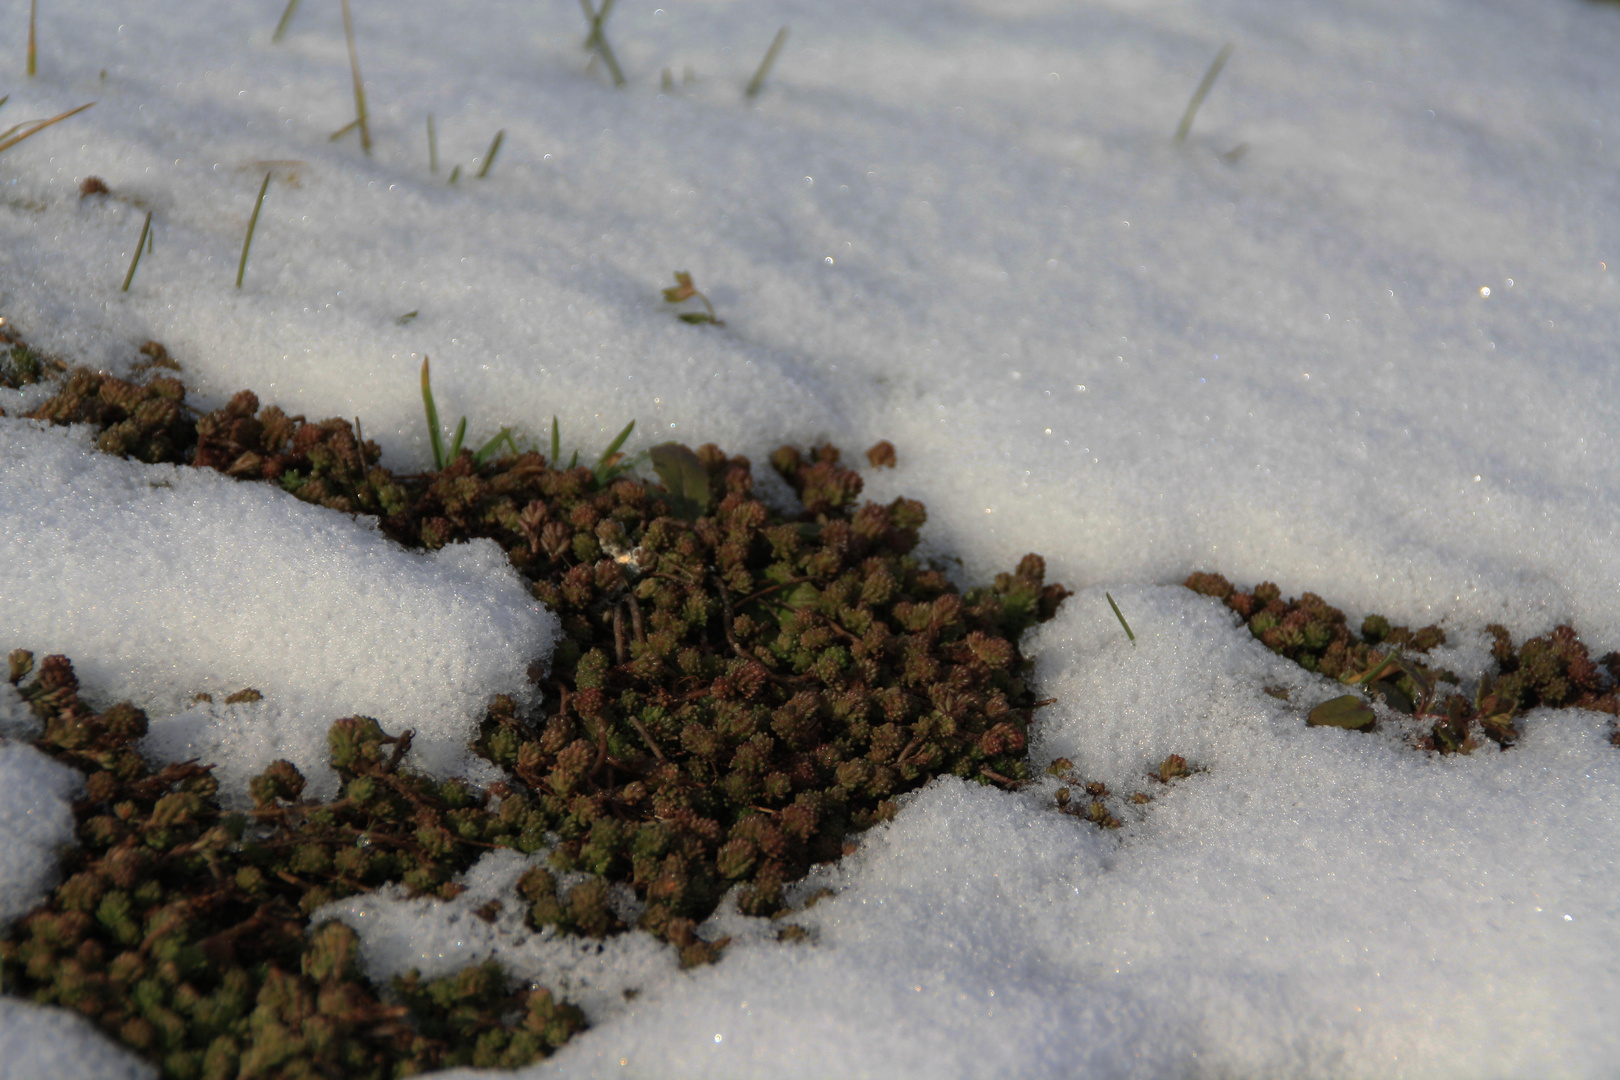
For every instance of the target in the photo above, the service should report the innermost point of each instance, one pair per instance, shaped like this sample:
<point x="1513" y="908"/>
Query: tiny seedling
<point x="33" y="39"/>
<point x="597" y="42"/>
<point x="609" y="466"/>
<point x="1199" y="94"/>
<point x="359" y="84"/>
<point x="757" y="83"/>
<point x="253" y="223"/>
<point x="489" y="155"/>
<point x="684" y="290"/>
<point x="286" y="17"/>
<point x="442" y="456"/>
<point x="1121" y="617"/>
<point x="18" y="132"/>
<point x="433" y="147"/>
<point x="140" y="246"/>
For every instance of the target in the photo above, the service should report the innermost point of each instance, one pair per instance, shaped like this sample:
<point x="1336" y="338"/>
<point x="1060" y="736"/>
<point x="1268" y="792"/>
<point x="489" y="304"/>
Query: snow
<point x="960" y="225"/>
<point x="162" y="583"/>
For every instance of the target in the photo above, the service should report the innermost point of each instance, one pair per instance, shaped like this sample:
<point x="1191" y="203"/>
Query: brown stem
<point x="635" y="619"/>
<point x="619" y="649"/>
<point x="646" y="737"/>
<point x="992" y="774"/>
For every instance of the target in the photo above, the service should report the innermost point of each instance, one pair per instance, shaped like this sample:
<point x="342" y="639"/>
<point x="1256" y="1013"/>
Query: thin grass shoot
<point x="16" y="134"/>
<point x="556" y="442"/>
<point x="1202" y="92"/>
<point x="597" y="41"/>
<point x="456" y="440"/>
<point x="433" y="147"/>
<point x="757" y="83"/>
<point x="140" y="246"/>
<point x="286" y="17"/>
<point x="342" y="131"/>
<point x="253" y="223"/>
<point x="432" y="410"/>
<point x="455" y="174"/>
<point x="1120" y="615"/>
<point x="489" y="155"/>
<point x="33" y="38"/>
<point x="607" y="464"/>
<point x="359" y="84"/>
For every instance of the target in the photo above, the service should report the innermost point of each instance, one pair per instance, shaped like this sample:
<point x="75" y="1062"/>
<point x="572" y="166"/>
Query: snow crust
<point x="37" y="1042"/>
<point x="1370" y="355"/>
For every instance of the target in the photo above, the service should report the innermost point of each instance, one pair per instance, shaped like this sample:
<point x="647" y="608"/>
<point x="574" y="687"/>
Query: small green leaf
<point x="1120" y="616"/>
<point x="805" y="596"/>
<point x="696" y="318"/>
<point x="684" y="477"/>
<point x="1348" y="712"/>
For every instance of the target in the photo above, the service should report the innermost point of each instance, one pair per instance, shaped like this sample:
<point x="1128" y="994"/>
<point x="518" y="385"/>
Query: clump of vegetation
<point x="184" y="931"/>
<point x="739" y="689"/>
<point x="1554" y="670"/>
<point x="147" y="421"/>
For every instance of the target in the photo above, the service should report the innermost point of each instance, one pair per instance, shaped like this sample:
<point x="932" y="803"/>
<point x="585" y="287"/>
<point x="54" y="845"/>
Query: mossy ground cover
<point x="739" y="690"/>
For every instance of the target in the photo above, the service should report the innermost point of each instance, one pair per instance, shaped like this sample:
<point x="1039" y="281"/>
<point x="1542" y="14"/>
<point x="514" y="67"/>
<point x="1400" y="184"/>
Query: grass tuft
<point x="757" y="83"/>
<point x="1202" y="92"/>
<point x="140" y="246"/>
<point x="489" y="155"/>
<point x="253" y="223"/>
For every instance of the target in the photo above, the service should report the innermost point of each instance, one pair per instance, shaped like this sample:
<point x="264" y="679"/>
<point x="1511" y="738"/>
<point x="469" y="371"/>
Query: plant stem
<point x="433" y="147"/>
<point x="489" y="157"/>
<point x="140" y="246"/>
<point x="33" y="40"/>
<point x="757" y="83"/>
<point x="359" y="85"/>
<point x="253" y="223"/>
<point x="1199" y="94"/>
<point x="286" y="17"/>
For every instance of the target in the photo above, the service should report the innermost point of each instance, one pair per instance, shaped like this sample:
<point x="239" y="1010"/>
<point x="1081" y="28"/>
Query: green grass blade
<point x="433" y="147"/>
<point x="1199" y="94"/>
<point x="455" y="443"/>
<point x="33" y="41"/>
<point x="434" y="434"/>
<point x="489" y="157"/>
<point x="483" y="453"/>
<point x="286" y="17"/>
<point x="140" y="246"/>
<point x="603" y="469"/>
<point x="253" y="223"/>
<point x="3" y="101"/>
<point x="757" y="83"/>
<point x="359" y="84"/>
<point x="1121" y="617"/>
<point x="556" y="443"/>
